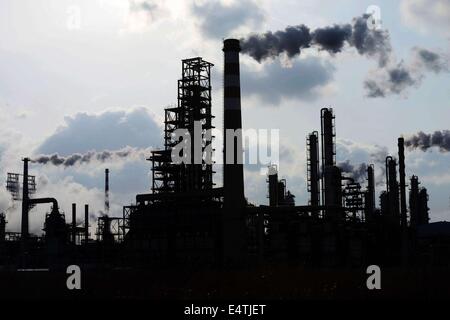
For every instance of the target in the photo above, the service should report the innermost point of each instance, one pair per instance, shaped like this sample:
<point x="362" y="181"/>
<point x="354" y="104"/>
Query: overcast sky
<point x="94" y="75"/>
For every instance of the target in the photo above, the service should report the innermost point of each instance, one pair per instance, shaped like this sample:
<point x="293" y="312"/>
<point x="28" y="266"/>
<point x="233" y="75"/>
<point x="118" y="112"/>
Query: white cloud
<point x="274" y="83"/>
<point x="109" y="130"/>
<point x="427" y="15"/>
<point x="220" y="19"/>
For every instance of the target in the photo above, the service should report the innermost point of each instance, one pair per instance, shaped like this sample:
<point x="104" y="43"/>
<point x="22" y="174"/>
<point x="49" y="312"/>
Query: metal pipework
<point x="273" y="186"/>
<point x="25" y="203"/>
<point x="370" y="193"/>
<point x="86" y="224"/>
<point x="401" y="170"/>
<point x="392" y="188"/>
<point x="45" y="200"/>
<point x="313" y="166"/>
<point x="106" y="191"/>
<point x="74" y="221"/>
<point x="414" y="201"/>
<point x="2" y="227"/>
<point x="387" y="161"/>
<point x="328" y="153"/>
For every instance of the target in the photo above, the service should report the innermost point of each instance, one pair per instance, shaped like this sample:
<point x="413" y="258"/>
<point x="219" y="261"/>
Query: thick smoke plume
<point x="391" y="77"/>
<point x="77" y="158"/>
<point x="370" y="42"/>
<point x="424" y="141"/>
<point x="357" y="173"/>
<point x="397" y="77"/>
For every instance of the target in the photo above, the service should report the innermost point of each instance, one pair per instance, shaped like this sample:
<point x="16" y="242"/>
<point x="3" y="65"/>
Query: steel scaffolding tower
<point x="193" y="113"/>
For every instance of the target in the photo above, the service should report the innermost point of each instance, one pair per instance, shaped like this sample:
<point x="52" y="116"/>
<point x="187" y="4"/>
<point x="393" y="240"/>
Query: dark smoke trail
<point x="424" y="141"/>
<point x="369" y="42"/>
<point x="76" y="159"/>
<point x="395" y="78"/>
<point x="291" y="41"/>
<point x="357" y="173"/>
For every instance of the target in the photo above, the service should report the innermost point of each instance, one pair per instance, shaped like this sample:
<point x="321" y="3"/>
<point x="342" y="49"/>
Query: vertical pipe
<point x="25" y="204"/>
<point x="371" y="186"/>
<point x="86" y="223"/>
<point x="281" y="192"/>
<point x="273" y="186"/>
<point x="106" y="191"/>
<point x="327" y="151"/>
<point x="423" y="209"/>
<point x="414" y="202"/>
<point x="314" y="170"/>
<point x="401" y="169"/>
<point x="327" y="137"/>
<point x="370" y="197"/>
<point x="74" y="222"/>
<point x="2" y="227"/>
<point x="392" y="189"/>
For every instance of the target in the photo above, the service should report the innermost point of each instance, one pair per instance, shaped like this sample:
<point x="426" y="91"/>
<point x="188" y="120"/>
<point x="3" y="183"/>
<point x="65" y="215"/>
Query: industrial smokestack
<point x="313" y="170"/>
<point x="233" y="223"/>
<point x="25" y="202"/>
<point x="86" y="223"/>
<point x="106" y="191"/>
<point x="74" y="222"/>
<point x="233" y="175"/>
<point x="401" y="169"/>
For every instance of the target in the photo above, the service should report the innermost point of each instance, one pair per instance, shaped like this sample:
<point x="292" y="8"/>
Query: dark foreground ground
<point x="268" y="283"/>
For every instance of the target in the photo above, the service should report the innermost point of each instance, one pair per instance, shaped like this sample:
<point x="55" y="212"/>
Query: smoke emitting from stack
<point x="369" y="42"/>
<point x="78" y="158"/>
<point x="424" y="141"/>
<point x="391" y="77"/>
<point x="356" y="172"/>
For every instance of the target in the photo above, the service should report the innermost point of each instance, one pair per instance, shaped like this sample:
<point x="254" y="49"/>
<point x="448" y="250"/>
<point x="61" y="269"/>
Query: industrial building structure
<point x="186" y="220"/>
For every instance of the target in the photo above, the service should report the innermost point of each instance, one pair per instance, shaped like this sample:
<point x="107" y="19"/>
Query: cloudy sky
<point x="89" y="76"/>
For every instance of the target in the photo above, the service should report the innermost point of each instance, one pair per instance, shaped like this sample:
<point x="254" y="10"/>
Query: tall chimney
<point x="74" y="222"/>
<point x="233" y="175"/>
<point x="86" y="223"/>
<point x="233" y="243"/>
<point x="313" y="170"/>
<point x="401" y="169"/>
<point x="107" y="191"/>
<point x="25" y="202"/>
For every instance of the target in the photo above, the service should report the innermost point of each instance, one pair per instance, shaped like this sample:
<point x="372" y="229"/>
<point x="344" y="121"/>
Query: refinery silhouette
<point x="180" y="238"/>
